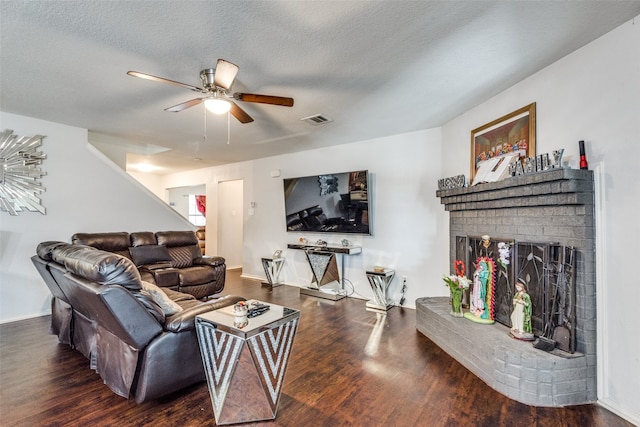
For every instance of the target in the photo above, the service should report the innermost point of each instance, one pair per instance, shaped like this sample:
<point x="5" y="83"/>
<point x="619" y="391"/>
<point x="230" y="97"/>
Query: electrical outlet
<point x="403" y="290"/>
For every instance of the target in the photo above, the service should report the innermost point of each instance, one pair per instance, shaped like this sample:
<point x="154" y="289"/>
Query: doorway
<point x="230" y="221"/>
<point x="184" y="201"/>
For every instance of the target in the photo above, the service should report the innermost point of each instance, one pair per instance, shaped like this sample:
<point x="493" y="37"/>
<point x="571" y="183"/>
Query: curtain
<point x="201" y="203"/>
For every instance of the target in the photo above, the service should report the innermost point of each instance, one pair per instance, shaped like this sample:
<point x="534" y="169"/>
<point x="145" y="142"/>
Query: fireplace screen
<point x="530" y="260"/>
<point x="547" y="271"/>
<point x="504" y="276"/>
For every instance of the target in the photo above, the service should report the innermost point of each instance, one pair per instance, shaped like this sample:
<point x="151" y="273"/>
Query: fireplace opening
<point x="548" y="273"/>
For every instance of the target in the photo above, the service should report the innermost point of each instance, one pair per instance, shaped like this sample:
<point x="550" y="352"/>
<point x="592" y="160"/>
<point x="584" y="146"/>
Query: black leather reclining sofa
<point x="138" y="336"/>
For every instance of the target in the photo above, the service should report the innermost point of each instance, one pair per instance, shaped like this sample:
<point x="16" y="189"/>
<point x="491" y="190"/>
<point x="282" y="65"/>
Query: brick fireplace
<point x="554" y="207"/>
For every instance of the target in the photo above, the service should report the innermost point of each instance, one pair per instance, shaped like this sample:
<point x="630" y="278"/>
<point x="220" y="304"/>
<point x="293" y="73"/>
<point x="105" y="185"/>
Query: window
<point x="195" y="216"/>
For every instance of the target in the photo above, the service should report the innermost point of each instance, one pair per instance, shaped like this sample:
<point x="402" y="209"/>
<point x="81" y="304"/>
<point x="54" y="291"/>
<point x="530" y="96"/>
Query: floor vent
<point x="317" y="119"/>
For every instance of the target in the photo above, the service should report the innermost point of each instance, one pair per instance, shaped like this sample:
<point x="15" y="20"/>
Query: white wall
<point x="152" y="182"/>
<point x="83" y="194"/>
<point x="230" y="222"/>
<point x="409" y="225"/>
<point x="591" y="95"/>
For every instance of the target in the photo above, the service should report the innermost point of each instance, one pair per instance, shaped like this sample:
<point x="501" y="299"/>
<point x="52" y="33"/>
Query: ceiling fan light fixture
<point x="217" y="105"/>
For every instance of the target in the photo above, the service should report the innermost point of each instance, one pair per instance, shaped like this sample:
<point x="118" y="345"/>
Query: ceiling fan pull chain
<point x="228" y="127"/>
<point x="204" y="135"/>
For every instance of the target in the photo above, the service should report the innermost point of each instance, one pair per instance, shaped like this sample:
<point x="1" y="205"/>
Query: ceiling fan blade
<point x="225" y="74"/>
<point x="264" y="99"/>
<point x="163" y="80"/>
<point x="184" y="105"/>
<point x="239" y="113"/>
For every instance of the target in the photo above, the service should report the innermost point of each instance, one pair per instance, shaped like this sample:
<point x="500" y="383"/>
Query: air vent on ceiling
<point x="317" y="119"/>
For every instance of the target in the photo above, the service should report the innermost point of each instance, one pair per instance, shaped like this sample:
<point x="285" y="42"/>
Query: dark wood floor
<point x="348" y="367"/>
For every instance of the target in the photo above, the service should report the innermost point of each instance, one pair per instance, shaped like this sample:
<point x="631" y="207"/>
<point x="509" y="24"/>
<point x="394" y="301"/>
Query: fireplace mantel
<point x="549" y="188"/>
<point x="555" y="206"/>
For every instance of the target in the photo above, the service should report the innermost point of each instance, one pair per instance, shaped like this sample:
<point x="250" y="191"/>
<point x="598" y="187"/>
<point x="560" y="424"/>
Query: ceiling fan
<point x="217" y="83"/>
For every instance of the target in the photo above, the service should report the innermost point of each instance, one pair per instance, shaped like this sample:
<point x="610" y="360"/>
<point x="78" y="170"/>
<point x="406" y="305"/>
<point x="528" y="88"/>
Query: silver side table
<point x="272" y="268"/>
<point x="380" y="282"/>
<point x="245" y="360"/>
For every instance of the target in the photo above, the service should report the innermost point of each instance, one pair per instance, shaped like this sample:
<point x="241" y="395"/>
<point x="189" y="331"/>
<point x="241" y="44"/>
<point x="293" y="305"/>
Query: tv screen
<point x="331" y="203"/>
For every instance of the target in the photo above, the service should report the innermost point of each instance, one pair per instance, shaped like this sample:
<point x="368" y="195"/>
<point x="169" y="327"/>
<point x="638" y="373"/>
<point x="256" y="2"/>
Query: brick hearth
<point x="555" y="206"/>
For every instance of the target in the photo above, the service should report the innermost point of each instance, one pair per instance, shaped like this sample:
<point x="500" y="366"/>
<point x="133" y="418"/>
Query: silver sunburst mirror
<point x="20" y="172"/>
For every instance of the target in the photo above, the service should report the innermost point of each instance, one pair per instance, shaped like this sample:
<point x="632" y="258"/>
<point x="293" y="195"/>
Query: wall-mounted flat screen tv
<point x="331" y="203"/>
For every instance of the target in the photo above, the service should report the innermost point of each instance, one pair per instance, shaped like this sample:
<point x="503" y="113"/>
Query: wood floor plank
<point x="348" y="367"/>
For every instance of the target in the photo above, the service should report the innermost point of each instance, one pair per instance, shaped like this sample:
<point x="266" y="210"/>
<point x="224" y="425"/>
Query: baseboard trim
<point x="629" y="415"/>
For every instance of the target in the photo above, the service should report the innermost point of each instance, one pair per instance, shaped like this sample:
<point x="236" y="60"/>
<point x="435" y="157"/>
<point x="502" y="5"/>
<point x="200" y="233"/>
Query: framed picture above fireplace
<point x="514" y="132"/>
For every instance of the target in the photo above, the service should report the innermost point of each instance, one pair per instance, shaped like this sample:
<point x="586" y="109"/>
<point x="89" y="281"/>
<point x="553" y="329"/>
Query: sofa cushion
<point x="150" y="304"/>
<point x="142" y="238"/>
<point x="186" y="320"/>
<point x="182" y="256"/>
<point x="116" y="242"/>
<point x="150" y="254"/>
<point x="176" y="238"/>
<point x="164" y="277"/>
<point x="179" y="297"/>
<point x="168" y="306"/>
<point x="58" y="253"/>
<point x="45" y="249"/>
<point x="102" y="267"/>
<point x="209" y="260"/>
<point x="196" y="275"/>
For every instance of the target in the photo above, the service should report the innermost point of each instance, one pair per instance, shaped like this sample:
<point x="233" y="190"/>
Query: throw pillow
<point x="182" y="256"/>
<point x="149" y="254"/>
<point x="168" y="306"/>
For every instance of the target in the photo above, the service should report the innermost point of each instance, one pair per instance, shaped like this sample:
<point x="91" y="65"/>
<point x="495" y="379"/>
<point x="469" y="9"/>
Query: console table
<point x="245" y="363"/>
<point x="322" y="260"/>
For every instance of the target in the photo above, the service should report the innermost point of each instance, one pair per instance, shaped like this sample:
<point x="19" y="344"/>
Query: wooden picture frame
<point x="514" y="131"/>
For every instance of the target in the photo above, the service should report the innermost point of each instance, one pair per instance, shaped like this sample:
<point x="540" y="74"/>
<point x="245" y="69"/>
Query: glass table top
<point x="225" y="319"/>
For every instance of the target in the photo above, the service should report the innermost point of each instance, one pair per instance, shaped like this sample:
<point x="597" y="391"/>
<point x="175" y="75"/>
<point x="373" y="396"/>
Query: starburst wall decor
<point x="20" y="172"/>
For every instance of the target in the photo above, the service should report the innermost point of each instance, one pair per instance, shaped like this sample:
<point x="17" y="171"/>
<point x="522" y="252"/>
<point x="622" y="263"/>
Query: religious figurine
<point x="486" y="241"/>
<point x="521" y="315"/>
<point x="482" y="295"/>
<point x="480" y="277"/>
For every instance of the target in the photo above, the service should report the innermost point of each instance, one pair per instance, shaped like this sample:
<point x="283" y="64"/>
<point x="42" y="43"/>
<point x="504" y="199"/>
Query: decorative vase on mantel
<point x="456" y="302"/>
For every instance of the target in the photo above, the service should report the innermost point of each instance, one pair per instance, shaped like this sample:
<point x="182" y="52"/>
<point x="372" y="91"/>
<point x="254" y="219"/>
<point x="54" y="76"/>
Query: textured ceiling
<point x="375" y="68"/>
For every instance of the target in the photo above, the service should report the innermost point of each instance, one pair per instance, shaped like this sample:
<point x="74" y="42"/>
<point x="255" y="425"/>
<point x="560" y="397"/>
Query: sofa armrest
<point x="122" y="314"/>
<point x="164" y="277"/>
<point x="209" y="260"/>
<point x="185" y="320"/>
